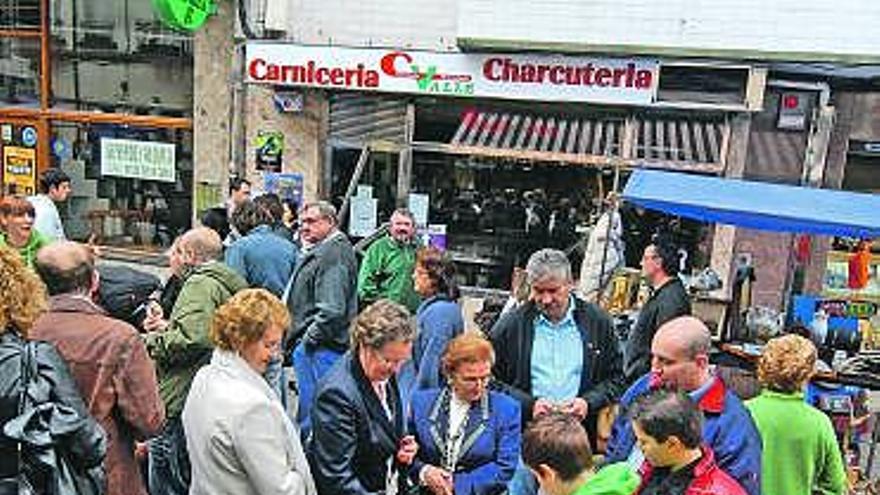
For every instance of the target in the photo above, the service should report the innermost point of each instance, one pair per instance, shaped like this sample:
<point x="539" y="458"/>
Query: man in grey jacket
<point x="322" y="298"/>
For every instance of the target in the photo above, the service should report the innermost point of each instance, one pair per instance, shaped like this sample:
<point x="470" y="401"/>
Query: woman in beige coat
<point x="239" y="437"/>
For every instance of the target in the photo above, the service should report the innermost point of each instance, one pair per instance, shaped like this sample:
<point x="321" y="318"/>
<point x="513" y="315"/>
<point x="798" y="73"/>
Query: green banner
<point x="185" y="15"/>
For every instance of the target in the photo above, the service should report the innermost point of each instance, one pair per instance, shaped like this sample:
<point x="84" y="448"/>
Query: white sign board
<point x="145" y="160"/>
<point x="536" y="77"/>
<point x="418" y="205"/>
<point x="362" y="212"/>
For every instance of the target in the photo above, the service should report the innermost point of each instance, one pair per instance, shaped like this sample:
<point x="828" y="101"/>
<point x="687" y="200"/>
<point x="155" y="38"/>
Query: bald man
<point x="680" y="361"/>
<point x="180" y="346"/>
<point x="107" y="359"/>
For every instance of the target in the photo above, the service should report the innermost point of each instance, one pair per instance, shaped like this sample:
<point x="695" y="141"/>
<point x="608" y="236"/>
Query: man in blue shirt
<point x="557" y="352"/>
<point x="680" y="361"/>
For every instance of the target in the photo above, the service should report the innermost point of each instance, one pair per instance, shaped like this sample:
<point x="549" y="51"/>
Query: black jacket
<point x="669" y="301"/>
<point x="513" y="335"/>
<point x="352" y="437"/>
<point x="323" y="296"/>
<point x="85" y="444"/>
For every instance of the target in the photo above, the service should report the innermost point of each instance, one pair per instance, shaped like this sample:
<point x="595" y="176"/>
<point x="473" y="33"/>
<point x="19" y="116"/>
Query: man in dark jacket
<point x="556" y="352"/>
<point x="322" y="297"/>
<point x="109" y="362"/>
<point x="668" y="300"/>
<point x="181" y="345"/>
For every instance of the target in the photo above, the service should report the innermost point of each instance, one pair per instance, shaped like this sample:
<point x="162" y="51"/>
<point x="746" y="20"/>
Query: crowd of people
<point x="393" y="394"/>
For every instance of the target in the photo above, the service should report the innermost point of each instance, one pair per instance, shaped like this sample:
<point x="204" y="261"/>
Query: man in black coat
<point x="557" y="352"/>
<point x="668" y="300"/>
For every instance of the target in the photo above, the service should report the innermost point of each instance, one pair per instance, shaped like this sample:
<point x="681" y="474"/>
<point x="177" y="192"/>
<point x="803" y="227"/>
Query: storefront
<point x="103" y="91"/>
<point x="500" y="154"/>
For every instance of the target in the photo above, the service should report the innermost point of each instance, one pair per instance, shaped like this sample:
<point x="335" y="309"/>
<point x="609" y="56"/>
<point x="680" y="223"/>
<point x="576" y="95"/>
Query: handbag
<point x="40" y="428"/>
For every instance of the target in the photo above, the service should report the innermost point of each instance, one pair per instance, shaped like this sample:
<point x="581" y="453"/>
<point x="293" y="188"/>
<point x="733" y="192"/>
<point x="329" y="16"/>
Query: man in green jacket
<point x="387" y="268"/>
<point x="801" y="455"/>
<point x="557" y="450"/>
<point x="180" y="346"/>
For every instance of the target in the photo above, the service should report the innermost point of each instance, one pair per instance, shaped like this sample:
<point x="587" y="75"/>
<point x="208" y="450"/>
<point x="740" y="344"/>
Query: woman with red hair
<point x="17" y="228"/>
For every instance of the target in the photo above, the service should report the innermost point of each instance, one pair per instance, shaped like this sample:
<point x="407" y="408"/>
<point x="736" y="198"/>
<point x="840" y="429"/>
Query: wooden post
<point x="352" y="185"/>
<point x="404" y="160"/>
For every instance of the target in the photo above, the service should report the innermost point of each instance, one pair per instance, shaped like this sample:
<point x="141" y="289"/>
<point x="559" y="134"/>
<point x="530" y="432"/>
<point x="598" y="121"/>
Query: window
<point x="143" y="203"/>
<point x="20" y="71"/>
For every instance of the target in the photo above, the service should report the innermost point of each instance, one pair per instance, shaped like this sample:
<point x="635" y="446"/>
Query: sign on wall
<point x="19" y="169"/>
<point x="269" y="149"/>
<point x="146" y="160"/>
<point x="519" y="77"/>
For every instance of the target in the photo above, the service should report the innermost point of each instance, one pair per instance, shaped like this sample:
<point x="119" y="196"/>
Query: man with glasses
<point x="668" y="300"/>
<point x="322" y="298"/>
<point x="680" y="362"/>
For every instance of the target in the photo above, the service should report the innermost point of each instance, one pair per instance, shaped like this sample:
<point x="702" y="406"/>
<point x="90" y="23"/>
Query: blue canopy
<point x="757" y="205"/>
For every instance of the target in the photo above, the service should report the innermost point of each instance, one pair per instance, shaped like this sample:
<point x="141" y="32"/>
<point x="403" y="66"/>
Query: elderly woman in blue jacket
<point x="469" y="438"/>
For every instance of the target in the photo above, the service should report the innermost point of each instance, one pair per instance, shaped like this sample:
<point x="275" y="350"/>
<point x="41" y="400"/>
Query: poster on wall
<point x="146" y="160"/>
<point x="363" y="215"/>
<point x="286" y="186"/>
<point x="19" y="170"/>
<point x="269" y="149"/>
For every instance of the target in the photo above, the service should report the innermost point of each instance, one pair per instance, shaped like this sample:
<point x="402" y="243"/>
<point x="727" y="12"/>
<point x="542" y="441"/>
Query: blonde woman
<point x="800" y="451"/>
<point x="240" y="440"/>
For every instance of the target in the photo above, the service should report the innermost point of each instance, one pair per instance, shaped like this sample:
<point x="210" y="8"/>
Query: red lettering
<point x="256" y="69"/>
<point x="602" y="75"/>
<point x="618" y="74"/>
<point x="388" y="62"/>
<point x="542" y="73"/>
<point x="321" y="75"/>
<point x="644" y="79"/>
<point x="337" y="76"/>
<point x="556" y="76"/>
<point x="489" y="69"/>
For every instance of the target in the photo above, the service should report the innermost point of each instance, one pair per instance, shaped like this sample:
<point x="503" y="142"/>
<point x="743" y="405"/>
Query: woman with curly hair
<point x="240" y="439"/>
<point x="800" y="451"/>
<point x="22" y="300"/>
<point x="17" y="228"/>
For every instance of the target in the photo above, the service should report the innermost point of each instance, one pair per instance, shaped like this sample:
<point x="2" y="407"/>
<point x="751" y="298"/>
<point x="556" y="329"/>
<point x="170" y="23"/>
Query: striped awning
<point x="698" y="144"/>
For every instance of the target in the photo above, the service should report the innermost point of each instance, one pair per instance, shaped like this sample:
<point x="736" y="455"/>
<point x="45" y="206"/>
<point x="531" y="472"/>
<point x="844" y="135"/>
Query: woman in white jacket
<point x="239" y="437"/>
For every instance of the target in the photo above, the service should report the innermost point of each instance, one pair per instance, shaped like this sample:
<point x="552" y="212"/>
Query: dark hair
<point x="52" y="177"/>
<point x="60" y="281"/>
<point x="663" y="414"/>
<point x="560" y="442"/>
<point x="271" y="203"/>
<point x="216" y="219"/>
<point x="248" y="216"/>
<point x="668" y="254"/>
<point x="440" y="270"/>
<point x="235" y="183"/>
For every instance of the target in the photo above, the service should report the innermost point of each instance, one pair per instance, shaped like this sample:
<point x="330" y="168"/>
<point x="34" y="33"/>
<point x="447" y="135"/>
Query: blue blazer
<point x="491" y="445"/>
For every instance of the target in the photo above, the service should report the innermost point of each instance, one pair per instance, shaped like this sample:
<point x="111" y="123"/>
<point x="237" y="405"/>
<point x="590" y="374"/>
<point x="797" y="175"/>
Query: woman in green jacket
<point x="17" y="228"/>
<point x="800" y="452"/>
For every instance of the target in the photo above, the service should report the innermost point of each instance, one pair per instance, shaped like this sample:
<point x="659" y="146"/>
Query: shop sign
<point x="19" y="169"/>
<point x="848" y="309"/>
<point x="184" y="15"/>
<point x="286" y="186"/>
<point x="146" y="160"/>
<point x="269" y="148"/>
<point x="793" y="107"/>
<point x="520" y="77"/>
<point x="6" y="132"/>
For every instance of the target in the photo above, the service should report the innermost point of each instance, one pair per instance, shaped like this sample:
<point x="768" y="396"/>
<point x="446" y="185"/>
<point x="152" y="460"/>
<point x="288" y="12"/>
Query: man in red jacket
<point x="669" y="430"/>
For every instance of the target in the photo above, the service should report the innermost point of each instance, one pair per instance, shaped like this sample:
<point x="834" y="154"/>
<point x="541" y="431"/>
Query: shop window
<point x="379" y="175"/>
<point x="117" y="57"/>
<point x="19" y="71"/>
<point x="132" y="187"/>
<point x="19" y="14"/>
<point x="702" y="84"/>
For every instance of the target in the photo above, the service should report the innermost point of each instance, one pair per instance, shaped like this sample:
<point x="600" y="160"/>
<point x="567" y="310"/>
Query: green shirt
<point x="613" y="479"/>
<point x="387" y="272"/>
<point x="29" y="251"/>
<point x="800" y="451"/>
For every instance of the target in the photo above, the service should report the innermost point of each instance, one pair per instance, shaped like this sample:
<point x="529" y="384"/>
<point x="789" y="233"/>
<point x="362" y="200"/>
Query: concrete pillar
<point x="724" y="237"/>
<point x="214" y="83"/>
<point x="305" y="135"/>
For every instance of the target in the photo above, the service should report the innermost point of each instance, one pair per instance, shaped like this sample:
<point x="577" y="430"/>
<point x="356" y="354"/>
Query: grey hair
<point x="382" y="322"/>
<point x="326" y="209"/>
<point x="546" y="263"/>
